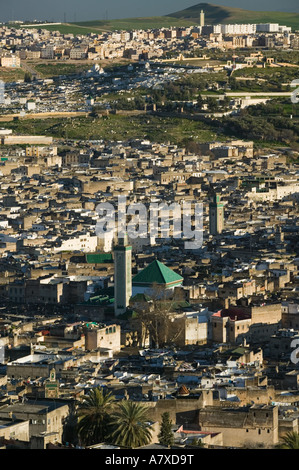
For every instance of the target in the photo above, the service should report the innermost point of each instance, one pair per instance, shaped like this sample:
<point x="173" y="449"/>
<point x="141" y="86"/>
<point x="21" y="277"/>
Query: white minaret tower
<point x="122" y="275"/>
<point x="202" y="18"/>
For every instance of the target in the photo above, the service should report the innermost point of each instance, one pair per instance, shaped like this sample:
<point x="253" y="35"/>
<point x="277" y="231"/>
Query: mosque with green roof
<point x="155" y="274"/>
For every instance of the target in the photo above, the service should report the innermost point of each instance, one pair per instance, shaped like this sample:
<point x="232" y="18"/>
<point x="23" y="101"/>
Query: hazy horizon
<point x="75" y="10"/>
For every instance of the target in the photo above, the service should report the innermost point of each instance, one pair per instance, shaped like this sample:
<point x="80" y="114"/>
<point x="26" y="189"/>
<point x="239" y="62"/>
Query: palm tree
<point x="94" y="416"/>
<point x="130" y="425"/>
<point x="290" y="440"/>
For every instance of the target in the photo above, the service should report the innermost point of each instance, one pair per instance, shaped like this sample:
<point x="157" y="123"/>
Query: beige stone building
<point x="255" y="426"/>
<point x="186" y="330"/>
<point x="37" y="365"/>
<point x="107" y="337"/>
<point x="181" y="410"/>
<point x="12" y="428"/>
<point x="43" y="417"/>
<point x="252" y="323"/>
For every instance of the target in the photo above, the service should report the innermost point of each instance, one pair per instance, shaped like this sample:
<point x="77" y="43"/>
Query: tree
<point x="27" y="77"/>
<point x="192" y="147"/>
<point x="139" y="102"/>
<point x="200" y="102"/>
<point x="94" y="416"/>
<point x="287" y="136"/>
<point x="130" y="427"/>
<point x="212" y="104"/>
<point x="197" y="443"/>
<point x="70" y="434"/>
<point x="156" y="316"/>
<point x="290" y="441"/>
<point x="166" y="437"/>
<point x="226" y="102"/>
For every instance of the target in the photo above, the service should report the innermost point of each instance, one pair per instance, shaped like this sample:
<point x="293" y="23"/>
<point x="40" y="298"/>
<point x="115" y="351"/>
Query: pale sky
<point x="78" y="10"/>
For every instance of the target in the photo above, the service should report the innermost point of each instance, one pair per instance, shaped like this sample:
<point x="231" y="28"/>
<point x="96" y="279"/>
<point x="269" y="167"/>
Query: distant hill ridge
<point x="215" y="14"/>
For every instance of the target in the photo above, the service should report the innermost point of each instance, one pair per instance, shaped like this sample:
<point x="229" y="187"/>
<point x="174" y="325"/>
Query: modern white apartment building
<point x="250" y="28"/>
<point x="272" y="28"/>
<point x="10" y="61"/>
<point x="237" y="28"/>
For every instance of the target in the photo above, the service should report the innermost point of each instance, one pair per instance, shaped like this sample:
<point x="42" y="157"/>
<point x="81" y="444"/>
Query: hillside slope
<point x="215" y="14"/>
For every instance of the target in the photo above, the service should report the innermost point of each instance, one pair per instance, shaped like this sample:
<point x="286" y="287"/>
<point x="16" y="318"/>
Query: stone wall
<point x="182" y="410"/>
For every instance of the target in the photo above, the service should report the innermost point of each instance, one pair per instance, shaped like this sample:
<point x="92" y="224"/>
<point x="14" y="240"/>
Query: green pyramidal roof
<point x="158" y="273"/>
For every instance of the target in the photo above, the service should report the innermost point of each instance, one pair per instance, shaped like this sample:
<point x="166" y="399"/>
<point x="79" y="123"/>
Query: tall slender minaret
<point x="122" y="275"/>
<point x="202" y="18"/>
<point x="279" y="235"/>
<point x="216" y="216"/>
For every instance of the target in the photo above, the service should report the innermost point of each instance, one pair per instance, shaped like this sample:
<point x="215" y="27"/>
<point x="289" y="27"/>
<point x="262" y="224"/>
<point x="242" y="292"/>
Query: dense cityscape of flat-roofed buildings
<point x="204" y="332"/>
<point x="228" y="302"/>
<point x="136" y="44"/>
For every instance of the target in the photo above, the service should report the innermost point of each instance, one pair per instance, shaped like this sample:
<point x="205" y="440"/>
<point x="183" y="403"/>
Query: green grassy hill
<point x="126" y="24"/>
<point x="190" y="16"/>
<point x="136" y="23"/>
<point x="215" y="14"/>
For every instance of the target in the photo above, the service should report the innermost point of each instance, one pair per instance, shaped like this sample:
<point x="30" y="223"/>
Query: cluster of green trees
<point x="99" y="418"/>
<point x="187" y="88"/>
<point x="168" y="103"/>
<point x="257" y="128"/>
<point x="135" y="102"/>
<point x="175" y="91"/>
<point x="267" y="80"/>
<point x="271" y="85"/>
<point x="269" y="122"/>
